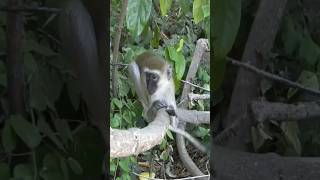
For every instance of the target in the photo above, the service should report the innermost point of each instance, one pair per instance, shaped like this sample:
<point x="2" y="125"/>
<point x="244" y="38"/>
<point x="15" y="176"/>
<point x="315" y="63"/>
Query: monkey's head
<point x="155" y="71"/>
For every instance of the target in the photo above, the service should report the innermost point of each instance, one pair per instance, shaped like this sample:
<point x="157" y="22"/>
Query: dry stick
<point x="187" y="82"/>
<point x="193" y="140"/>
<point x="201" y="47"/>
<point x="273" y="76"/>
<point x="115" y="52"/>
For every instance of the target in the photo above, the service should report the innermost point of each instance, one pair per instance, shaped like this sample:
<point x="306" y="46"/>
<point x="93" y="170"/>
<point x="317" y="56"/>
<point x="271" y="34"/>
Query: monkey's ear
<point x="169" y="72"/>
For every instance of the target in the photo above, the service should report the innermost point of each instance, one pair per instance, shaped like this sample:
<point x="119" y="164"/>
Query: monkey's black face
<point x="152" y="80"/>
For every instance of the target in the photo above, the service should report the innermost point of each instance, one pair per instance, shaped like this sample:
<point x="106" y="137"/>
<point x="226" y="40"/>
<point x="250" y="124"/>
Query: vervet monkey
<point x="153" y="81"/>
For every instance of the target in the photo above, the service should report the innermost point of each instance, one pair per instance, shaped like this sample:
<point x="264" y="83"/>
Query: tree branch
<point x="236" y="165"/>
<point x="266" y="111"/>
<point x="273" y="77"/>
<point x="133" y="141"/>
<point x="201" y="47"/>
<point x="115" y="52"/>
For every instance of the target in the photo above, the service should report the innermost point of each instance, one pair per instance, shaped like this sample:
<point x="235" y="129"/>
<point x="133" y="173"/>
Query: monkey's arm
<point x="136" y="77"/>
<point x="156" y="106"/>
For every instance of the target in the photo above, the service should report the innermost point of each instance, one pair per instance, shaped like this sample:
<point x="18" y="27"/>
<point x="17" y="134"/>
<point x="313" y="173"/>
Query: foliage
<point x="55" y="140"/>
<point x="170" y="29"/>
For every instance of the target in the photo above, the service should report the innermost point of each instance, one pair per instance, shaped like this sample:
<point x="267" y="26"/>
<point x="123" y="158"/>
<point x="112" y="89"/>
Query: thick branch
<point x="265" y="111"/>
<point x="194" y="117"/>
<point x="134" y="141"/>
<point x="235" y="165"/>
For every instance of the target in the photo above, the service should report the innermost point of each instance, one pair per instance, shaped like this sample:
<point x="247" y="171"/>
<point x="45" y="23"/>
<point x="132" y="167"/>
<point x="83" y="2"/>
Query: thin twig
<point x="193" y="140"/>
<point x="119" y="64"/>
<point x="187" y="82"/>
<point x="49" y="36"/>
<point x="273" y="77"/>
<point x="31" y="9"/>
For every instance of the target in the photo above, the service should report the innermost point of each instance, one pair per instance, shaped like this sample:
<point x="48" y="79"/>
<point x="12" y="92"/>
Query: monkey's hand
<point x="156" y="106"/>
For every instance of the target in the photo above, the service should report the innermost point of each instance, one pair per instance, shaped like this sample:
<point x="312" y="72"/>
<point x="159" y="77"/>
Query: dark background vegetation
<point x="282" y="38"/>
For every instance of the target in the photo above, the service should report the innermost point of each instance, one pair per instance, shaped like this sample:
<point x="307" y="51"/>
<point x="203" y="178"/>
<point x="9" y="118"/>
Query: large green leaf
<point x="51" y="169"/>
<point x="178" y="59"/>
<point x="63" y="129"/>
<point x="138" y="13"/>
<point x="38" y="99"/>
<point x="26" y="131"/>
<point x="165" y="6"/>
<point x="226" y="21"/>
<point x="75" y="165"/>
<point x="200" y="10"/>
<point x="8" y="137"/>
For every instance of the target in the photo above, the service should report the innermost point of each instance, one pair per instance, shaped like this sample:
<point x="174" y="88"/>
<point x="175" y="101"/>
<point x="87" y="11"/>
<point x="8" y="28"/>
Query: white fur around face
<point x="165" y="88"/>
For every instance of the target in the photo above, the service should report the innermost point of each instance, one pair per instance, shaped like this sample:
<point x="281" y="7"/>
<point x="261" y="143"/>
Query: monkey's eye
<point x="154" y="77"/>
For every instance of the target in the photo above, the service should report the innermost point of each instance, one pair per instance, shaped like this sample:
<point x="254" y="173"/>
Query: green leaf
<point x="30" y="64"/>
<point x="64" y="168"/>
<point x="25" y="130"/>
<point x="226" y="21"/>
<point x="138" y="14"/>
<point x="23" y="172"/>
<point x="165" y="6"/>
<point x="75" y="166"/>
<point x="291" y="130"/>
<point x="117" y="102"/>
<point x="309" y="52"/>
<point x="169" y="134"/>
<point x="64" y="130"/>
<point x="181" y="42"/>
<point x="185" y="6"/>
<point x="38" y="99"/>
<point x="52" y="84"/>
<point x="290" y="37"/>
<point x="156" y="38"/>
<point x="51" y="167"/>
<point x="8" y="137"/>
<point x="307" y="79"/>
<point x="200" y="10"/>
<point x="124" y="164"/>
<point x="178" y="59"/>
<point x="201" y="132"/>
<point x="4" y="171"/>
<point x="115" y="121"/>
<point x="45" y="128"/>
